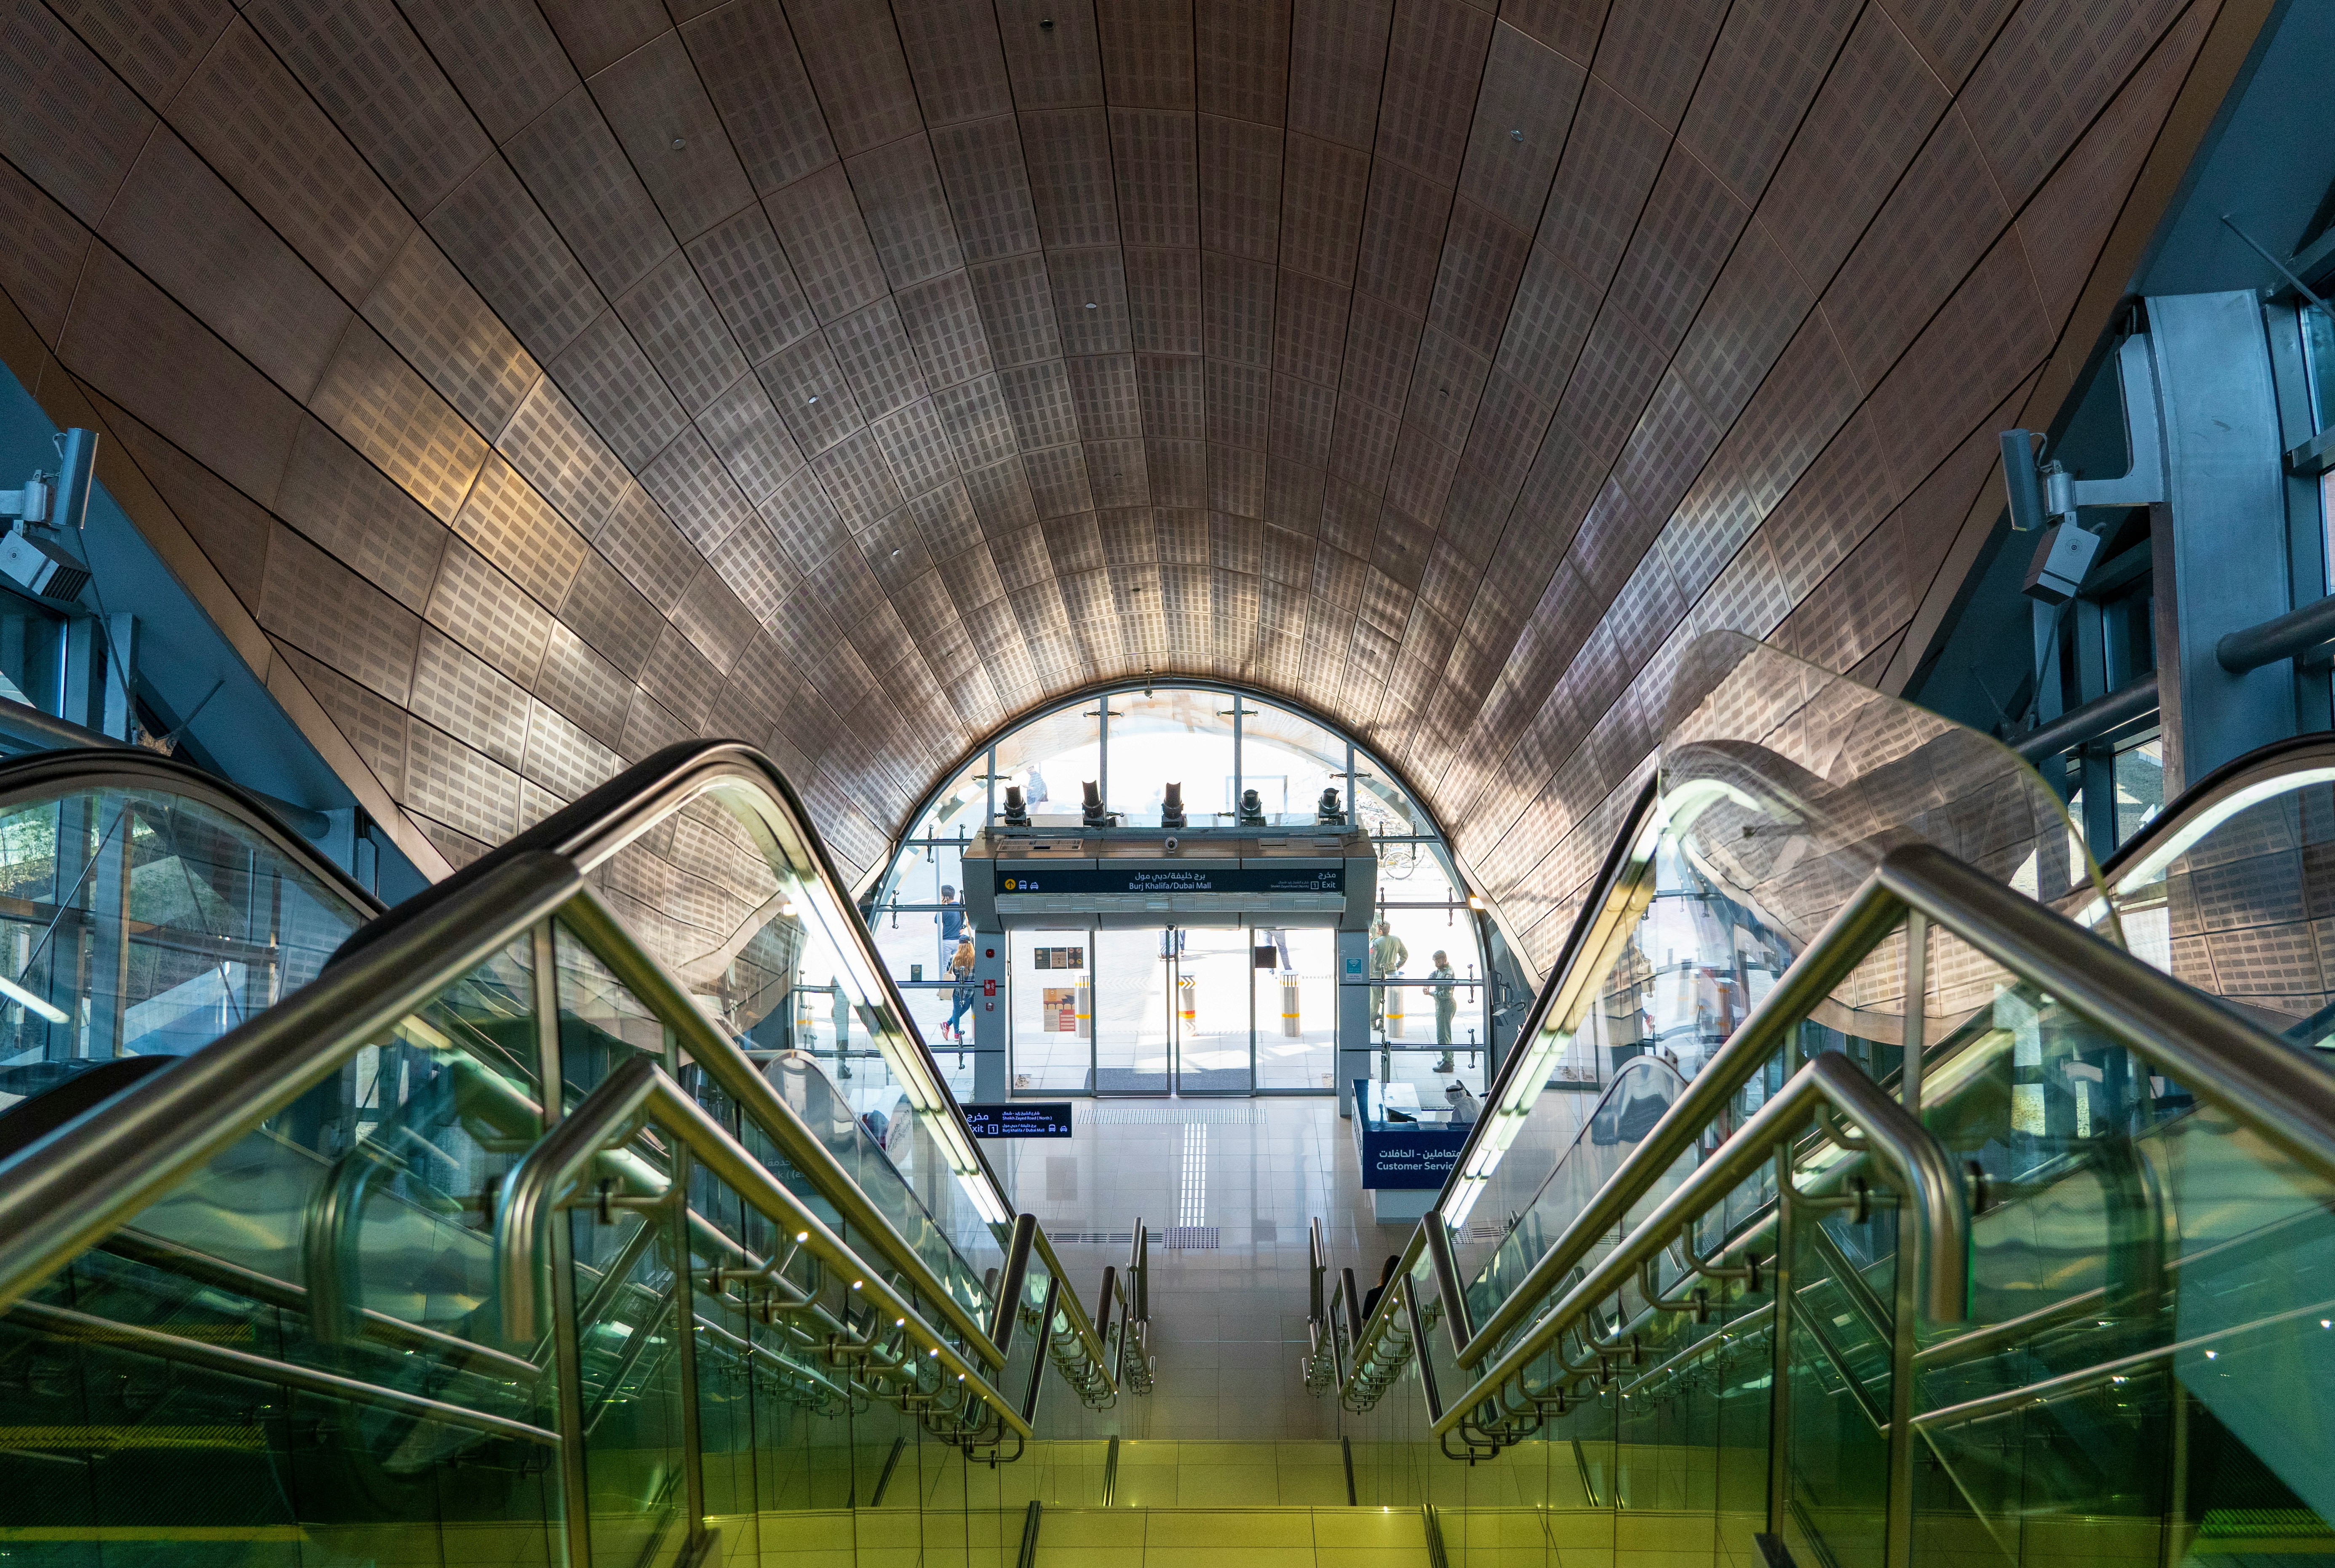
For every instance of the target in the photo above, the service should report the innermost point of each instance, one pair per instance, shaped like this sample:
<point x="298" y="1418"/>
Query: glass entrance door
<point x="1134" y="979"/>
<point x="1213" y="1022"/>
<point x="1296" y="1010"/>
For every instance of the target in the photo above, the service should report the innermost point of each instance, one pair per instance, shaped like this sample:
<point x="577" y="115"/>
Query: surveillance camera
<point x="1171" y="841"/>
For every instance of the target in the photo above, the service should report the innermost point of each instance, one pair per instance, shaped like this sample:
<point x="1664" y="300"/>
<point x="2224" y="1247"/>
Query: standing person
<point x="1447" y="1007"/>
<point x="1035" y="795"/>
<point x="1386" y="1278"/>
<point x="951" y="920"/>
<point x="960" y="969"/>
<point x="842" y="1014"/>
<point x="1388" y="955"/>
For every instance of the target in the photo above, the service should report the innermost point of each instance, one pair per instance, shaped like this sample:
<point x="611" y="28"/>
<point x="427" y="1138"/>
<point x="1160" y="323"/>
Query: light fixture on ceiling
<point x="679" y="142"/>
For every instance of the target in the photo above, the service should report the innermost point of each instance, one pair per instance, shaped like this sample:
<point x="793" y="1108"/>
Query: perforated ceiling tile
<point x="492" y="230"/>
<point x="575" y="170"/>
<point x="1372" y="351"/>
<point x="380" y="407"/>
<point x="257" y="126"/>
<point x="516" y="529"/>
<point x="612" y="383"/>
<point x="657" y="105"/>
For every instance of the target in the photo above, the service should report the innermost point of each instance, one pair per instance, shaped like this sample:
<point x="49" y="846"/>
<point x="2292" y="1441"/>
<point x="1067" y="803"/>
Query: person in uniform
<point x="1388" y="955"/>
<point x="1446" y="1008"/>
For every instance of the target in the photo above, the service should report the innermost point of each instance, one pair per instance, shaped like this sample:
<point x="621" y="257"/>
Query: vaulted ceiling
<point x="525" y="383"/>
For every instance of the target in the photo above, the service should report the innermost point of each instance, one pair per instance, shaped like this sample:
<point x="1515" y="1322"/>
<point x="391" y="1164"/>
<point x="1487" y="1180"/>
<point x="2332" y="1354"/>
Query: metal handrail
<point x="49" y="1318"/>
<point x="1934" y="1216"/>
<point x="638" y="1092"/>
<point x="594" y="828"/>
<point x="733" y="1072"/>
<point x="2220" y="1058"/>
<point x="64" y="1193"/>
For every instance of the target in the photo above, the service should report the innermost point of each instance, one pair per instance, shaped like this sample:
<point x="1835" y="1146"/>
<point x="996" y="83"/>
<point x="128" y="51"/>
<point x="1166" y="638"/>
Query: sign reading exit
<point x="1020" y="1118"/>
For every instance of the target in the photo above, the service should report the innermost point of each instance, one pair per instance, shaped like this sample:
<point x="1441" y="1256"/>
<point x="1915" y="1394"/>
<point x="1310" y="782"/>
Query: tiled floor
<point x="1228" y="1323"/>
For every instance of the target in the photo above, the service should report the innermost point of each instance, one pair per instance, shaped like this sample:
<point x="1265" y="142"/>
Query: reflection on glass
<point x="1289" y="761"/>
<point x="1053" y="1008"/>
<point x="141" y="922"/>
<point x="347" y="1234"/>
<point x="1295" y="974"/>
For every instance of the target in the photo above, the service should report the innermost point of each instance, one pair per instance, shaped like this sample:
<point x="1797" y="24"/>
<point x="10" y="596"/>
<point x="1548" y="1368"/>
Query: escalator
<point x="146" y="908"/>
<point x="544" y="1224"/>
<point x="2064" y="1289"/>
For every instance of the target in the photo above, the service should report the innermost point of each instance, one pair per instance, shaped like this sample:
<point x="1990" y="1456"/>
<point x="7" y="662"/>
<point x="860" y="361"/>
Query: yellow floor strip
<point x="248" y="1439"/>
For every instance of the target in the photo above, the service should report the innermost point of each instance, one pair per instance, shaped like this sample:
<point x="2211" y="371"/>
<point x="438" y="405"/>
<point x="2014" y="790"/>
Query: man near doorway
<point x="951" y="920"/>
<point x="1447" y="1007"/>
<point x="1388" y="955"/>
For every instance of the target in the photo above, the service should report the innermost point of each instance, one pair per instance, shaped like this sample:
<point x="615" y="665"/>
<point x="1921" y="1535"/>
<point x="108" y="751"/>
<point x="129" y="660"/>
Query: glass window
<point x="1183" y="738"/>
<point x="1289" y="761"/>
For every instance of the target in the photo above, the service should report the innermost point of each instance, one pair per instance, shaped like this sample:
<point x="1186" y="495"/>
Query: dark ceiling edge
<point x="866" y="885"/>
<point x="2222" y="62"/>
<point x="60" y="396"/>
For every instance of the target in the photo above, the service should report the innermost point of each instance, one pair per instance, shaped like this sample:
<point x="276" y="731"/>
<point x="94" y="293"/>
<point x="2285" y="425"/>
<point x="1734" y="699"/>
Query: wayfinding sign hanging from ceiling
<point x="1150" y="879"/>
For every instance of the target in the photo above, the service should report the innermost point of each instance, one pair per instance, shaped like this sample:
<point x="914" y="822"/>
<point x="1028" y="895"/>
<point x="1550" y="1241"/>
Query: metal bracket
<point x="2066" y="550"/>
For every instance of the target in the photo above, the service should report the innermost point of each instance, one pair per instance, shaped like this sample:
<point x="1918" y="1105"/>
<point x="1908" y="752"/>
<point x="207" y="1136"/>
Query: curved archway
<point x="1237" y="756"/>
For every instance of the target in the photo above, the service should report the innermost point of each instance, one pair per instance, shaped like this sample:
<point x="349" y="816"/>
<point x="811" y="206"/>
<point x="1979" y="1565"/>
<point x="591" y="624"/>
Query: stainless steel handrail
<point x="638" y="1092"/>
<point x="2222" y="1058"/>
<point x="1934" y="1213"/>
<point x="44" y="1317"/>
<point x="595" y="828"/>
<point x="64" y="1193"/>
<point x="722" y="1060"/>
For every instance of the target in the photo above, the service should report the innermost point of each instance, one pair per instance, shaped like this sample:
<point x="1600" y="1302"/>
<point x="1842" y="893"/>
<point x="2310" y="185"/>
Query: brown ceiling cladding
<point x="852" y="377"/>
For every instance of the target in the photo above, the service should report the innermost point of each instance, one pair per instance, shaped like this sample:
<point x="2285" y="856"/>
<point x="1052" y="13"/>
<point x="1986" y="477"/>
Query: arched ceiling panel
<point x="545" y="380"/>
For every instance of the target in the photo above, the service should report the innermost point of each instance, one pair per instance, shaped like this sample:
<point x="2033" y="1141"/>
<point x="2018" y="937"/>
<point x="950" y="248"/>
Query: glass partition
<point x="139" y="920"/>
<point x="1780" y="788"/>
<point x="1431" y="1027"/>
<point x="216" y="1374"/>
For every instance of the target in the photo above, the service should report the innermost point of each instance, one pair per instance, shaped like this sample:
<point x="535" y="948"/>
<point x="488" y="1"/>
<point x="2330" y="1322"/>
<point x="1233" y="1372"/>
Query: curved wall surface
<point x="526" y="385"/>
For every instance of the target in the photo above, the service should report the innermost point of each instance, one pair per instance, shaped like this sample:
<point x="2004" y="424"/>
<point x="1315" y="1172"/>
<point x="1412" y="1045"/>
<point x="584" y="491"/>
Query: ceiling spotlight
<point x="1516" y="136"/>
<point x="1090" y="304"/>
<point x="1046" y="24"/>
<point x="814" y="397"/>
<point x="679" y="142"/>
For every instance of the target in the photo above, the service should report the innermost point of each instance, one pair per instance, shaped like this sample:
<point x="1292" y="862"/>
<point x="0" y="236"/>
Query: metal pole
<point x="1917" y="989"/>
<point x="575" y="1479"/>
<point x="990" y="820"/>
<point x="1897" y="1548"/>
<point x="1350" y="818"/>
<point x="1102" y="752"/>
<point x="693" y="1445"/>
<point x="551" y="1073"/>
<point x="1238" y="706"/>
<point x="1779" y="1384"/>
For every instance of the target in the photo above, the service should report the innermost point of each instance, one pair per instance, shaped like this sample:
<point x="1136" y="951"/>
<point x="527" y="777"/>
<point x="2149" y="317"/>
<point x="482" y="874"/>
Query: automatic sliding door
<point x="1297" y="1011"/>
<point x="1212" y="1013"/>
<point x="1132" y="973"/>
